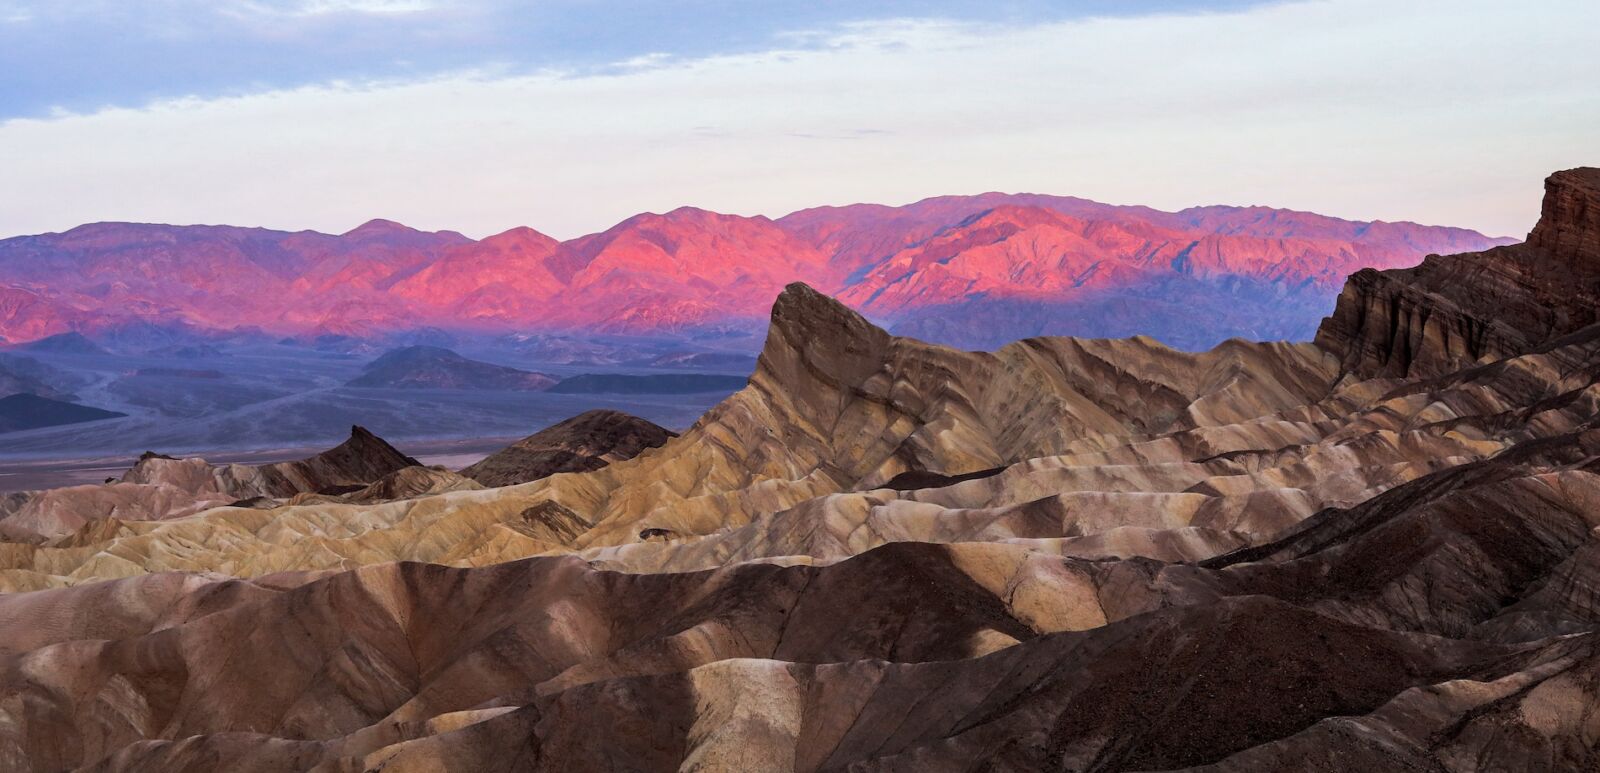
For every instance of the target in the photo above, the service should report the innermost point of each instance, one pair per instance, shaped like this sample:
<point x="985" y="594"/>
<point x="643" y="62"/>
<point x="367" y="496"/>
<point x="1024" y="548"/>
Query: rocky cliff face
<point x="1569" y="221"/>
<point x="1456" y="310"/>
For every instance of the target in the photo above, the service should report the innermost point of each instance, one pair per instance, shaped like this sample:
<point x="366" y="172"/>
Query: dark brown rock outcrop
<point x="585" y="442"/>
<point x="363" y="459"/>
<point x="1455" y="310"/>
<point x="1569" y="221"/>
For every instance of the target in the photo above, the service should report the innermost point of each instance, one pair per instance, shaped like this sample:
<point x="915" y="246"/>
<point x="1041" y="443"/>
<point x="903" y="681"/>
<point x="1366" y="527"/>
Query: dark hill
<point x="432" y="367"/>
<point x="64" y="343"/>
<point x="30" y="411"/>
<point x="584" y="442"/>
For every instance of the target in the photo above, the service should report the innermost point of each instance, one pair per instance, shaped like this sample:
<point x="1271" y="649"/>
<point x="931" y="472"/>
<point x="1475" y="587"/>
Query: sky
<point x="570" y="115"/>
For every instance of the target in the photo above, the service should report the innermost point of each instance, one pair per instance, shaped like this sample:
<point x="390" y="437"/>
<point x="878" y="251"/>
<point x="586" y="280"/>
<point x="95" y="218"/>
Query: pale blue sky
<point x="86" y="54"/>
<point x="570" y="115"/>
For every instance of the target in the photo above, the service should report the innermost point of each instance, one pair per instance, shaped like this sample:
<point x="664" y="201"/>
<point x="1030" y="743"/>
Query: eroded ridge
<point x="1372" y="552"/>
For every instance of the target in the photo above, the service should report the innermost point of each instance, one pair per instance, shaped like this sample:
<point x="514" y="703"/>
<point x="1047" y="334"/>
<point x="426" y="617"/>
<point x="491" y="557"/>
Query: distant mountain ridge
<point x="968" y="270"/>
<point x="64" y="343"/>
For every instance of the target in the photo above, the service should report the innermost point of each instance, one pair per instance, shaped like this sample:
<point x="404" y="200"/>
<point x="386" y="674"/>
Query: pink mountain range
<point x="968" y="270"/>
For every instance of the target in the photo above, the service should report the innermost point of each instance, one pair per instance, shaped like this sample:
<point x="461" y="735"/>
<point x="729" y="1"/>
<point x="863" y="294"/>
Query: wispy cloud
<point x="645" y="61"/>
<point x="14" y="13"/>
<point x="314" y="8"/>
<point x="849" y="134"/>
<point x="91" y="53"/>
<point x="366" y="6"/>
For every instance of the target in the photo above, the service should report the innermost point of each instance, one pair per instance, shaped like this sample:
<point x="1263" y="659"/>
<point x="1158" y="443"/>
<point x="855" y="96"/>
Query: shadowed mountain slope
<point x="433" y="367"/>
<point x="585" y="442"/>
<point x="64" y="343"/>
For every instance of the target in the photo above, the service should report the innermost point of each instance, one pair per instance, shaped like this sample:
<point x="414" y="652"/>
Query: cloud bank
<point x="1436" y="112"/>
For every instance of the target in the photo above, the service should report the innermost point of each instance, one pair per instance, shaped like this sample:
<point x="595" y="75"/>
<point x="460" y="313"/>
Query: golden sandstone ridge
<point x="834" y="412"/>
<point x="1372" y="552"/>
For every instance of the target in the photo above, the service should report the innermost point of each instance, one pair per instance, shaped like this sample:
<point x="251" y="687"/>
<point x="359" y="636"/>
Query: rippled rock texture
<point x="1376" y="552"/>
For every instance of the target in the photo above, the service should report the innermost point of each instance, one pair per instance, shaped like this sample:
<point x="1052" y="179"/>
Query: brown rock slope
<point x="1444" y="625"/>
<point x="585" y="442"/>
<point x="889" y="556"/>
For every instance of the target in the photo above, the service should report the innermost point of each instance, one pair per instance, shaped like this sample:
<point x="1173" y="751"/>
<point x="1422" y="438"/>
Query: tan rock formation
<point x="160" y="487"/>
<point x="884" y="555"/>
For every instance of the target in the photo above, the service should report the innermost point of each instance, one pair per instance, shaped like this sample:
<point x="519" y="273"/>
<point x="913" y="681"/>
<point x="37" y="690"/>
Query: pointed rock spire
<point x="823" y="335"/>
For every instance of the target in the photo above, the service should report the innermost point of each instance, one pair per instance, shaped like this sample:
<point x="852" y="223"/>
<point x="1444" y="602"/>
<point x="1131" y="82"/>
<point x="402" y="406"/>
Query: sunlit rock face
<point x="972" y="271"/>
